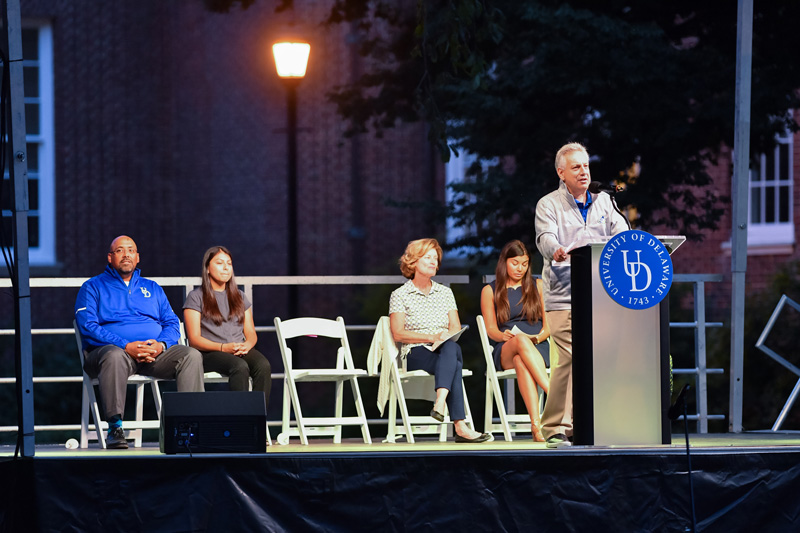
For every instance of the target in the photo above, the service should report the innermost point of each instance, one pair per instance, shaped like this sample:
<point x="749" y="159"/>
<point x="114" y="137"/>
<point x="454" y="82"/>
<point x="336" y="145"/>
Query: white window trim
<point x="45" y="253"/>
<point x="777" y="233"/>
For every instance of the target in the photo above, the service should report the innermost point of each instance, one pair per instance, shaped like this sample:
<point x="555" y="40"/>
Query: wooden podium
<point x="620" y="359"/>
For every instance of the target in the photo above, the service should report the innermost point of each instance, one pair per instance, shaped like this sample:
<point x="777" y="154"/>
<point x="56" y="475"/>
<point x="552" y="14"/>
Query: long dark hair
<point x="235" y="301"/>
<point x="531" y="303"/>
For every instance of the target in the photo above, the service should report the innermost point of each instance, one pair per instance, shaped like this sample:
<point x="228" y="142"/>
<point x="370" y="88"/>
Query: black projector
<point x="213" y="422"/>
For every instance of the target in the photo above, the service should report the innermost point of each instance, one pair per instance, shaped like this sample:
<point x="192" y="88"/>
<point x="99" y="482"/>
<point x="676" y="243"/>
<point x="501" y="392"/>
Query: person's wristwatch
<point x="163" y="346"/>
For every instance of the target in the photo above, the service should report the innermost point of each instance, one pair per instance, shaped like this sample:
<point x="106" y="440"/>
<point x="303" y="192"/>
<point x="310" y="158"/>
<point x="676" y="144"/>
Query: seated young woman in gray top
<point x="219" y="323"/>
<point x="514" y="299"/>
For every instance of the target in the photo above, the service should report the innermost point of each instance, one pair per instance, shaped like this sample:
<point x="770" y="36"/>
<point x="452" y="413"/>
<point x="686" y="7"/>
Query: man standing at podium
<point x="564" y="219"/>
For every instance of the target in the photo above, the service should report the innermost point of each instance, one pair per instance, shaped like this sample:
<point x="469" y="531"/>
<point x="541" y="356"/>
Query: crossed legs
<point x="520" y="354"/>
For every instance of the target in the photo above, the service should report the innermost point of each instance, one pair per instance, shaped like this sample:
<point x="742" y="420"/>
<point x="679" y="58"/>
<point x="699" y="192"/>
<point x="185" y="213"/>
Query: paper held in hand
<point x="581" y="240"/>
<point x="516" y="331"/>
<point x="453" y="337"/>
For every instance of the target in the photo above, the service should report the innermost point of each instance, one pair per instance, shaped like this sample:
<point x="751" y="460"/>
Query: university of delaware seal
<point x="635" y="269"/>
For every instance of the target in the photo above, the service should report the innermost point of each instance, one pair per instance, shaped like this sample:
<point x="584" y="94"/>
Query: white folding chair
<point x="509" y="422"/>
<point x="343" y="371"/>
<point x="133" y="429"/>
<point x="416" y="385"/>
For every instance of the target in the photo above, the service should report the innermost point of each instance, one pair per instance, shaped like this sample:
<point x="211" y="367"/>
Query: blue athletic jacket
<point x="109" y="312"/>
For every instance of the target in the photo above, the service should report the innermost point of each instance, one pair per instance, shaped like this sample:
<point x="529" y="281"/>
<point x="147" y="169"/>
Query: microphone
<point x="676" y="409"/>
<point x="596" y="187"/>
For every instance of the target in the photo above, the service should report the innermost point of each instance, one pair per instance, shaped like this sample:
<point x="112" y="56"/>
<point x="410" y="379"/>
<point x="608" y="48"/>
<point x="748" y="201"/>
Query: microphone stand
<point x="674" y="413"/>
<point x="612" y="194"/>
<point x="616" y="208"/>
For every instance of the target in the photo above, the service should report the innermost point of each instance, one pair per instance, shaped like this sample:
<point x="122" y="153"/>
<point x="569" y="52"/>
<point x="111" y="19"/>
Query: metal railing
<point x="247" y="283"/>
<point x="700" y="371"/>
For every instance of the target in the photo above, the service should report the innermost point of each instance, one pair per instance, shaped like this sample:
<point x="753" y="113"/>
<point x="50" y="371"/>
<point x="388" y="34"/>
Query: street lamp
<point x="291" y="59"/>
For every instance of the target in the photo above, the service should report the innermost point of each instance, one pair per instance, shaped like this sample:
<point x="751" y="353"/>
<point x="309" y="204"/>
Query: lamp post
<point x="291" y="59"/>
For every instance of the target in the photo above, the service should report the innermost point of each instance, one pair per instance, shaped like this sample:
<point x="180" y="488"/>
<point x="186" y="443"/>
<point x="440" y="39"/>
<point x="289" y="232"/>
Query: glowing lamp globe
<point x="291" y="59"/>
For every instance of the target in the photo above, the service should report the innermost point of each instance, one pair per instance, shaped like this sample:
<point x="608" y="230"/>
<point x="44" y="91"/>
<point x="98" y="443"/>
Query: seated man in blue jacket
<point x="129" y="327"/>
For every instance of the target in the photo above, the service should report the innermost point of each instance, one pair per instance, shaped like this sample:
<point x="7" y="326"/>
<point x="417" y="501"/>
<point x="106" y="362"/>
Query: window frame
<point x="763" y="233"/>
<point x="44" y="254"/>
<point x="456" y="172"/>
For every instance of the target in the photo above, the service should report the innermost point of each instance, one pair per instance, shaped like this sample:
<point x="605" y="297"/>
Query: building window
<point x="37" y="66"/>
<point x="456" y="172"/>
<point x="771" y="190"/>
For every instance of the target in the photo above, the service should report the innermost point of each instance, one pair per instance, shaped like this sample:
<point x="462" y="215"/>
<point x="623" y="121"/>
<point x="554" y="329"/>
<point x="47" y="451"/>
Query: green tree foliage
<point x="647" y="85"/>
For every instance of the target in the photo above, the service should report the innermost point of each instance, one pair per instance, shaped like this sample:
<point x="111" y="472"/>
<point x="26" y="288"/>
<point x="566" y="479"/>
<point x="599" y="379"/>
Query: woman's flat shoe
<point x="439" y="417"/>
<point x="483" y="437"/>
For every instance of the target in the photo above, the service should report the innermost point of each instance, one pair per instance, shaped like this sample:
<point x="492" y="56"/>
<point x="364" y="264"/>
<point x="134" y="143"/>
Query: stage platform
<point x="740" y="482"/>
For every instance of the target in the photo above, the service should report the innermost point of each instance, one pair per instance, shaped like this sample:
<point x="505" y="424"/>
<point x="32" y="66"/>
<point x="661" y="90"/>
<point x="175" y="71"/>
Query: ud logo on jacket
<point x="125" y="333"/>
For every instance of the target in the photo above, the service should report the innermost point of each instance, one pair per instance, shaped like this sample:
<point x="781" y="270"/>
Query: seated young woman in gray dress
<point x="514" y="299"/>
<point x="219" y="323"/>
<point x="422" y="312"/>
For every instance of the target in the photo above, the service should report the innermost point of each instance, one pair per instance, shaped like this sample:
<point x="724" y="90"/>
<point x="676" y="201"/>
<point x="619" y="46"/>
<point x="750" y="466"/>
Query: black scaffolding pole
<point x="16" y="155"/>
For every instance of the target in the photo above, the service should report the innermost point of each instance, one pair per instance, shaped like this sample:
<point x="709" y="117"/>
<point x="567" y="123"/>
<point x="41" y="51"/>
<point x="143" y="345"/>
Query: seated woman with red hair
<point x="422" y="312"/>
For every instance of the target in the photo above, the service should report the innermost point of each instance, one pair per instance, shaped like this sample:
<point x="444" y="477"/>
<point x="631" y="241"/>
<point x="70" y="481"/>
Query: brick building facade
<point x="774" y="220"/>
<point x="167" y="122"/>
<point x="170" y="126"/>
